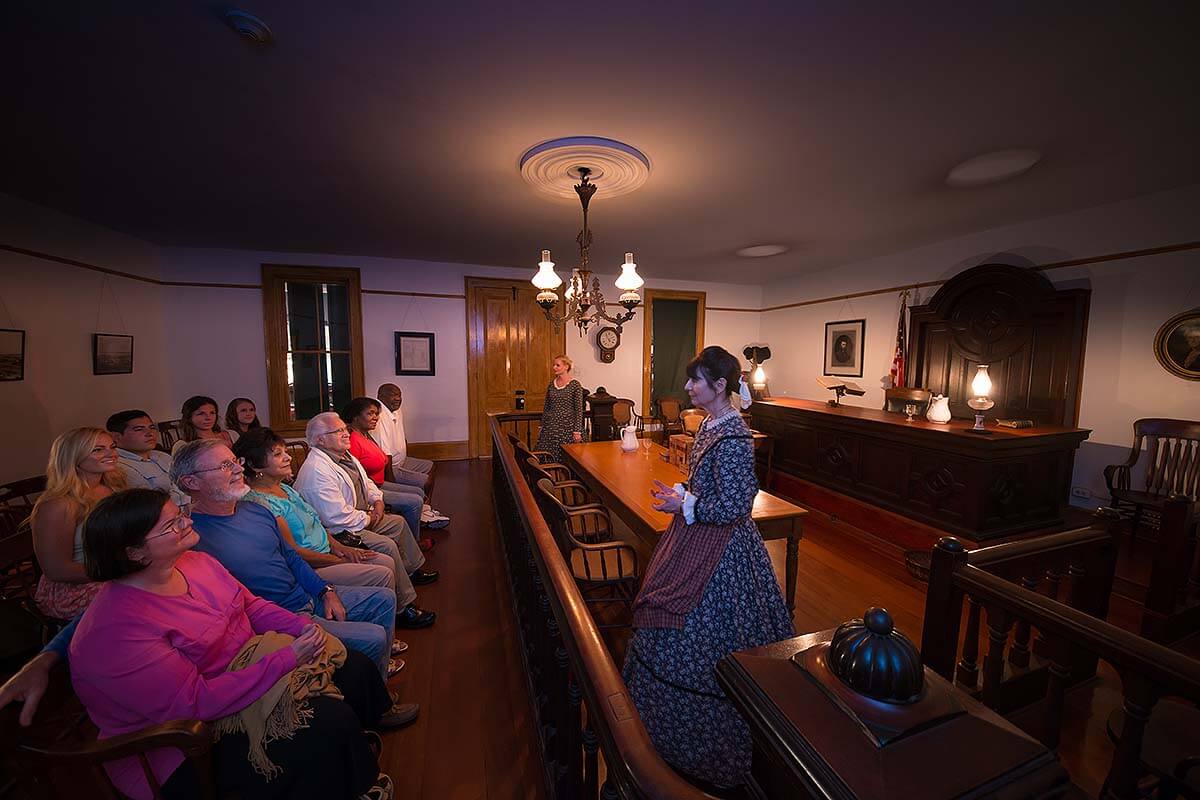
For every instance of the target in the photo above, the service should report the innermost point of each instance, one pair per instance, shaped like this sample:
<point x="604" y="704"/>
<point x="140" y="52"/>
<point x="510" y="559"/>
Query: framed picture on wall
<point x="844" y="347"/>
<point x="1177" y="345"/>
<point x="12" y="355"/>
<point x="414" y="353"/>
<point x="112" y="354"/>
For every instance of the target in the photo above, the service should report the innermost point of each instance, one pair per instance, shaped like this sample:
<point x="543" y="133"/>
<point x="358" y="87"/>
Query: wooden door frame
<point x="648" y="298"/>
<point x="475" y="355"/>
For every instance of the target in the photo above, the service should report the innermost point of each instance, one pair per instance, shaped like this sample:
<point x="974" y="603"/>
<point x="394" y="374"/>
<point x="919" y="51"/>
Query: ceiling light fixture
<point x="762" y="250"/>
<point x="583" y="302"/>
<point x="993" y="167"/>
<point x="249" y="27"/>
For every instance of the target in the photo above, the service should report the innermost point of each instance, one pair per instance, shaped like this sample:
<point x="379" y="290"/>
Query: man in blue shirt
<point x="245" y="538"/>
<point x="136" y="437"/>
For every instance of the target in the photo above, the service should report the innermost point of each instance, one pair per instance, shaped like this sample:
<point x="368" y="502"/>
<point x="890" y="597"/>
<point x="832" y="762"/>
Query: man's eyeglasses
<point x="226" y="466"/>
<point x="177" y="524"/>
<point x="340" y="430"/>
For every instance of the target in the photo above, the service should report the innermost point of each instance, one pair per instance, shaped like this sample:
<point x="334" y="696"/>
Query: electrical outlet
<point x="1081" y="492"/>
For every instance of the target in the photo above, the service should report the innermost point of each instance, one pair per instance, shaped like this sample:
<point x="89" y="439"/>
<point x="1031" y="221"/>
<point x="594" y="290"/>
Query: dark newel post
<point x="601" y="405"/>
<point x="943" y="608"/>
<point x="1170" y="571"/>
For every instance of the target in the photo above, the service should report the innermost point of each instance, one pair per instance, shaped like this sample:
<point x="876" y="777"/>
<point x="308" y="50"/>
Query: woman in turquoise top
<point x="268" y="465"/>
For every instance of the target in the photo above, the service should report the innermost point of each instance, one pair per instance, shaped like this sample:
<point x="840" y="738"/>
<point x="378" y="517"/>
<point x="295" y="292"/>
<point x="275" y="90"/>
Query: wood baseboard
<point x="439" y="451"/>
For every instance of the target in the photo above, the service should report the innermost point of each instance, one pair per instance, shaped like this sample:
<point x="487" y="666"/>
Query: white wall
<point x="1130" y="299"/>
<point x="218" y="333"/>
<point x="59" y="307"/>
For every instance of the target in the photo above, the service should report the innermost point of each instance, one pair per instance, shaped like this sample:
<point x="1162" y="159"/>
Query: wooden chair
<point x="298" y="450"/>
<point x="25" y="629"/>
<point x="535" y="470"/>
<point x="690" y="419"/>
<point x="23" y="493"/>
<point x="897" y="398"/>
<point x="168" y="434"/>
<point x="605" y="570"/>
<point x="1172" y="467"/>
<point x="523" y="452"/>
<point x="62" y="743"/>
<point x="623" y="414"/>
<point x="670" y="411"/>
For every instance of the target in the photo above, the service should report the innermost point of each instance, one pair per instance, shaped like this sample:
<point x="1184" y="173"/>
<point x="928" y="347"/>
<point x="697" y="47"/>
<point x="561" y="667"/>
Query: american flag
<point x="897" y="370"/>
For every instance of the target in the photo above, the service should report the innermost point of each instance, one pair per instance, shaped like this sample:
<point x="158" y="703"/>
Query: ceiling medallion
<point x="552" y="167"/>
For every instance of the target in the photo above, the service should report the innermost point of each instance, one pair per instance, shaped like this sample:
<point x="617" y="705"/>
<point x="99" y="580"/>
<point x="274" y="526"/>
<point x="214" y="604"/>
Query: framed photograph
<point x="12" y="355"/>
<point x="112" y="354"/>
<point x="414" y="353"/>
<point x="1177" y="345"/>
<point x="844" y="347"/>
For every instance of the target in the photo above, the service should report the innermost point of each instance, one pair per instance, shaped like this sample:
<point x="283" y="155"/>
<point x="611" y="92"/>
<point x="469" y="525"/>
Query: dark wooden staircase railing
<point x="584" y="712"/>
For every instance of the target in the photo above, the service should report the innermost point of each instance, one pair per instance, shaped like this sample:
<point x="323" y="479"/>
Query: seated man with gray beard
<point x="245" y="538"/>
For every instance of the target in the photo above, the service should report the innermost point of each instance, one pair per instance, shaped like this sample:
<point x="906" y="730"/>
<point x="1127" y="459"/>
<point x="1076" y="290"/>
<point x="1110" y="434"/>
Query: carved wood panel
<point x="1029" y="333"/>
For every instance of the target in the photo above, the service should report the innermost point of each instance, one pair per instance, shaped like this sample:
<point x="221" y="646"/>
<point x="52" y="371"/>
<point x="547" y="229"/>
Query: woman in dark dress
<point x="562" y="416"/>
<point x="709" y="590"/>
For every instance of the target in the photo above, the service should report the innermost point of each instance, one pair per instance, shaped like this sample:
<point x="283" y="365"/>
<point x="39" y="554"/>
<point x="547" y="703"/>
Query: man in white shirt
<point x="410" y="471"/>
<point x="136" y="437"/>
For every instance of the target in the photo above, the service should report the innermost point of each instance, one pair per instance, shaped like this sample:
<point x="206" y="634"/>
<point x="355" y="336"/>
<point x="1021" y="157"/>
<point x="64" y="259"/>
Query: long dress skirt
<point x="670" y="672"/>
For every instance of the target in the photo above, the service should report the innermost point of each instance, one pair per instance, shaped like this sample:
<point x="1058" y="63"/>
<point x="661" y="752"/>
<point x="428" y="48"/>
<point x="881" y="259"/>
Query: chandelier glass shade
<point x="582" y="301"/>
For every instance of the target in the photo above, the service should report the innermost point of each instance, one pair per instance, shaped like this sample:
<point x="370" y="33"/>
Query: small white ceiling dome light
<point x="993" y="167"/>
<point x="762" y="250"/>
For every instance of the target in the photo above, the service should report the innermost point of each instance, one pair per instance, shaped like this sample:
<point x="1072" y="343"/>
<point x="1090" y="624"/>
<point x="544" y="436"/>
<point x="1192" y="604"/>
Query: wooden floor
<point x="475" y="736"/>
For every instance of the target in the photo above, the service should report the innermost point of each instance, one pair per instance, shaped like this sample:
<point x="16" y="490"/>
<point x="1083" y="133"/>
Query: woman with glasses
<point x="157" y="645"/>
<point x="82" y="471"/>
<point x="198" y="420"/>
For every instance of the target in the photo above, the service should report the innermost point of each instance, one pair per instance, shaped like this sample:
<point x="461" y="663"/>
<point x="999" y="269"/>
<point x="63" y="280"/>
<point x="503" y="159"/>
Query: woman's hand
<point x="308" y="644"/>
<point x="577" y="436"/>
<point x="350" y="554"/>
<point x="668" y="499"/>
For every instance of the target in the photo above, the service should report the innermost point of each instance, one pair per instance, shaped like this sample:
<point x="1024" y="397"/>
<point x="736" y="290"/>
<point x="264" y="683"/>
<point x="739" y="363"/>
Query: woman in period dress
<point x="709" y="590"/>
<point x="562" y="416"/>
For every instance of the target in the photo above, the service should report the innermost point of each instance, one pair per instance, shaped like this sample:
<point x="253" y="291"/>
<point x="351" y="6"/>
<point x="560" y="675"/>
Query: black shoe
<point x="422" y="577"/>
<point x="412" y="617"/>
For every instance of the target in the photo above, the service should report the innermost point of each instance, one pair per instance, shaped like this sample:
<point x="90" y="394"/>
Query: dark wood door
<point x="510" y="346"/>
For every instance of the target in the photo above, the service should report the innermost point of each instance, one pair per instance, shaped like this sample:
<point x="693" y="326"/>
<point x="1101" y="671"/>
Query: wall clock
<point x="608" y="340"/>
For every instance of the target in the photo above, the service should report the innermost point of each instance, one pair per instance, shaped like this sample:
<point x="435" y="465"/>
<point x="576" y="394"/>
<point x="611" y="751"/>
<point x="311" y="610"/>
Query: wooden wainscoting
<point x="440" y="451"/>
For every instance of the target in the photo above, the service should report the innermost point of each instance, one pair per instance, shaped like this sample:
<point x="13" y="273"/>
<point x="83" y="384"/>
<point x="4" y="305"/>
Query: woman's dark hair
<point x="231" y="420"/>
<point x="255" y="446"/>
<point x="357" y="406"/>
<point x="191" y="406"/>
<point x="715" y="363"/>
<point x="118" y="522"/>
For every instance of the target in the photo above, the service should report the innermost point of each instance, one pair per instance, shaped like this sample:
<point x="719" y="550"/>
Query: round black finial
<point x="878" y="621"/>
<point x="874" y="659"/>
<point x="950" y="543"/>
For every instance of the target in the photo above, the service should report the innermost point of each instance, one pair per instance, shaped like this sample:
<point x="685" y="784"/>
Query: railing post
<point x="968" y="666"/>
<point x="574" y="757"/>
<point x="999" y="624"/>
<point x="1018" y="656"/>
<point x="1122" y="780"/>
<point x="591" y="762"/>
<point x="943" y="608"/>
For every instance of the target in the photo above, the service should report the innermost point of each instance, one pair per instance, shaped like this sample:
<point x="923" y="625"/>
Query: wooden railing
<point x="583" y="708"/>
<point x="1070" y="637"/>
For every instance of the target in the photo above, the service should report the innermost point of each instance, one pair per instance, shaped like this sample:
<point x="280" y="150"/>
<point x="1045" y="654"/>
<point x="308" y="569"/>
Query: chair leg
<point x="1137" y="522"/>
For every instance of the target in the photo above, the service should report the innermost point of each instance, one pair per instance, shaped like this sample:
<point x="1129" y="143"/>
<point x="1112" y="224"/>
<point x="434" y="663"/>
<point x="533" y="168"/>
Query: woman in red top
<point x="361" y="415"/>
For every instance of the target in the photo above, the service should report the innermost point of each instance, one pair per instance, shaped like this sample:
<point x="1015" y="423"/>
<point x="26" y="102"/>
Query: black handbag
<point x="350" y="539"/>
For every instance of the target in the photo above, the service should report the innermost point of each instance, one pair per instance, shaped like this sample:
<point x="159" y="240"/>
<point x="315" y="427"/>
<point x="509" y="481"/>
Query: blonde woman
<point x="82" y="471"/>
<point x="562" y="415"/>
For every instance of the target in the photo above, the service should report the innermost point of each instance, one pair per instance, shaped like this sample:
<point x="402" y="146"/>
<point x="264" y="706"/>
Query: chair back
<point x="169" y="433"/>
<point x="23" y="493"/>
<point x="622" y="412"/>
<point x="897" y="398"/>
<point x="1172" y="455"/>
<point x="691" y="419"/>
<point x="298" y="450"/>
<point x="669" y="408"/>
<point x="19" y="569"/>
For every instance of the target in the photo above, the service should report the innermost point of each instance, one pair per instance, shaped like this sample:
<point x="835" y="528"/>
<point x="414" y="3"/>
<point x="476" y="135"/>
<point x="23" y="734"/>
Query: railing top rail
<point x="1173" y="672"/>
<point x="1042" y="545"/>
<point x="641" y="771"/>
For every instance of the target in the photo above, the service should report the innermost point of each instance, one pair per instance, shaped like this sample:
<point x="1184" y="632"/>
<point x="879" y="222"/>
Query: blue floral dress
<point x="670" y="671"/>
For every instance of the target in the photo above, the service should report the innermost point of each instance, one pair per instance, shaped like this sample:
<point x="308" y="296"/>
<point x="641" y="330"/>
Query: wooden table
<point x="623" y="482"/>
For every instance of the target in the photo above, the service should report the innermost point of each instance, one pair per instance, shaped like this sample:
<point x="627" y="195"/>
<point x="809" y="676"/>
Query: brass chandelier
<point x="582" y="301"/>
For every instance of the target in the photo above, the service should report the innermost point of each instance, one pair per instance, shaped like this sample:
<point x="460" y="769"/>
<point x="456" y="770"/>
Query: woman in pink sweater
<point x="155" y="644"/>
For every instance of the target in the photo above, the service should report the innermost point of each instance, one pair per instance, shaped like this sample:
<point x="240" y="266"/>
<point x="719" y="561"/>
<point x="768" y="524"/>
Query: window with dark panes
<point x="314" y="349"/>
